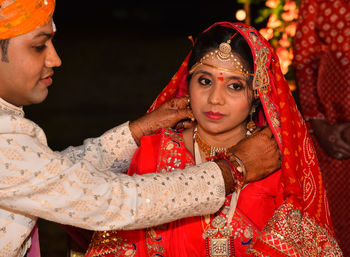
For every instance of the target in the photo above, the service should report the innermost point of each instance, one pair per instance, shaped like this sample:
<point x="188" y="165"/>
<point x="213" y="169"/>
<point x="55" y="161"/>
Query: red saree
<point x="285" y="214"/>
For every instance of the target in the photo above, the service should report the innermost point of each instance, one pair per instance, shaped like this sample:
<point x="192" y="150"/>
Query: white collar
<point x="10" y="108"/>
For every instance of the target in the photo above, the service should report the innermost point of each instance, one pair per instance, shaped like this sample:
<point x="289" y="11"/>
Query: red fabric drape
<point x="321" y="64"/>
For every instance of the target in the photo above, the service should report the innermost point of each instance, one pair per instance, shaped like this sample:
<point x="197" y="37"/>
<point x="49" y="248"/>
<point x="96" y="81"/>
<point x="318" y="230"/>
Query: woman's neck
<point x="224" y="139"/>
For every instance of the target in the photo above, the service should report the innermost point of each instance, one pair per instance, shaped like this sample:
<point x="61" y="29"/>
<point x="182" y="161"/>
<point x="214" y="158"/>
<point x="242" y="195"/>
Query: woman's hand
<point x="334" y="139"/>
<point x="174" y="113"/>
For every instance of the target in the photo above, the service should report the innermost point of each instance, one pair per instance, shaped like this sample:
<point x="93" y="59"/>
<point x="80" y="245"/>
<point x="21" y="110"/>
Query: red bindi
<point x="220" y="78"/>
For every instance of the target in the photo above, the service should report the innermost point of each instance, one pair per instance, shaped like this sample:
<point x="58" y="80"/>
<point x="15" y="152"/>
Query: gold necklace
<point x="209" y="150"/>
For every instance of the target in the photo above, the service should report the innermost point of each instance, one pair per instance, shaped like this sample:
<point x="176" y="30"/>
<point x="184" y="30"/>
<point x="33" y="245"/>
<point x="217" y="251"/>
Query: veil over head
<point x="305" y="210"/>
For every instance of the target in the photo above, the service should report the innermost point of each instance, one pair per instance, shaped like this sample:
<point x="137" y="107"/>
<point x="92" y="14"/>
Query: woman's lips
<point x="214" y="115"/>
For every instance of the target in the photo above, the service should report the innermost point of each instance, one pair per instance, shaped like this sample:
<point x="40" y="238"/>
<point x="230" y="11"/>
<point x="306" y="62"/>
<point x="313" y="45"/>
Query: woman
<point x="322" y="57"/>
<point x="234" y="81"/>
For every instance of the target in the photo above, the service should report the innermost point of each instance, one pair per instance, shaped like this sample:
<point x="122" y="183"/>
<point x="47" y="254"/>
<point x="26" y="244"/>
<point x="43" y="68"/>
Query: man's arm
<point x="36" y="181"/>
<point x="111" y="151"/>
<point x="53" y="186"/>
<point x="115" y="148"/>
<point x="67" y="188"/>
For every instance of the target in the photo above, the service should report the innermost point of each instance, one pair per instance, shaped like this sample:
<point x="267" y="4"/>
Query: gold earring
<point x="251" y="126"/>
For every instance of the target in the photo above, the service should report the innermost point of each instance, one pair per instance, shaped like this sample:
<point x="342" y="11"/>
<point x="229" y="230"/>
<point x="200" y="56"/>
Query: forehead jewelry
<point x="223" y="54"/>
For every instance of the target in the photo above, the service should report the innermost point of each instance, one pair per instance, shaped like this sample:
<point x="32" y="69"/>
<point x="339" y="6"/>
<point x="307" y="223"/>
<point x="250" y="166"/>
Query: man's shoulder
<point x="15" y="125"/>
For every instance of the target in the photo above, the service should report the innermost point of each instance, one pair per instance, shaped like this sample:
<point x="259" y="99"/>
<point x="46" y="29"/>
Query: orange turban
<point x="19" y="17"/>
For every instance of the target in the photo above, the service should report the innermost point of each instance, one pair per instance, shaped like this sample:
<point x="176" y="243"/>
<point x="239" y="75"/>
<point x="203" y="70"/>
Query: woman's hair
<point x="210" y="40"/>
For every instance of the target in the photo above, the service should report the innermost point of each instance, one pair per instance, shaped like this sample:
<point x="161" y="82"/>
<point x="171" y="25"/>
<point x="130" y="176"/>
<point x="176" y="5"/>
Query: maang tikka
<point x="223" y="54"/>
<point x="225" y="51"/>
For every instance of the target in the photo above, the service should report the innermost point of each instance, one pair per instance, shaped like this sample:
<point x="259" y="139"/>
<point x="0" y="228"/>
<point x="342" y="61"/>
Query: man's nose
<point x="52" y="58"/>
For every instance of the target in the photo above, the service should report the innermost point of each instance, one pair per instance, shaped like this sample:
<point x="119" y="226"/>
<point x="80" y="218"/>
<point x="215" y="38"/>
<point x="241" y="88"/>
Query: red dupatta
<point x="302" y="225"/>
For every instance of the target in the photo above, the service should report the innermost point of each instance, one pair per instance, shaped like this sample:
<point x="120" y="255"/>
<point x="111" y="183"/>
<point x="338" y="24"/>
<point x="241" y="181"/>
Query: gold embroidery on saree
<point x="293" y="233"/>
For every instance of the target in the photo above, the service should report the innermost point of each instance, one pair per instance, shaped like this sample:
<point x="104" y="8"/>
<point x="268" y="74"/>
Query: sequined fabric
<point x="293" y="233"/>
<point x="110" y="244"/>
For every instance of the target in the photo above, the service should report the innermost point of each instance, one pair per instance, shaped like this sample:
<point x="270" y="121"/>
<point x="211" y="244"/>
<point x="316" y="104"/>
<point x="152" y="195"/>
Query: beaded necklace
<point x="209" y="150"/>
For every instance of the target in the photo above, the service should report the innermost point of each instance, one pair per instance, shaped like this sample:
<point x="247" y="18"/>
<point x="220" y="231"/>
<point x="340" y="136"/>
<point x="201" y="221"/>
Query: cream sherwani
<point x="85" y="187"/>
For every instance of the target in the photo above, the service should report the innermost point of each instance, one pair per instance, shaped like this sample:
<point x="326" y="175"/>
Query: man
<point x="83" y="186"/>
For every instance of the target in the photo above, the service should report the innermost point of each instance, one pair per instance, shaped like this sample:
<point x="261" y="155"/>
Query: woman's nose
<point x="216" y="95"/>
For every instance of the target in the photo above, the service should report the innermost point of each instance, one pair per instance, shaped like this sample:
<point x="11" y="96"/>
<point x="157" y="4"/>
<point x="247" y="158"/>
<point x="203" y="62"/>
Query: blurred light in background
<point x="241" y="15"/>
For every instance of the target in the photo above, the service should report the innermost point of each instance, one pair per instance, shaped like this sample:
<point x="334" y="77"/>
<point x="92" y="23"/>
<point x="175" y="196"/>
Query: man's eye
<point x="40" y="48"/>
<point x="204" y="81"/>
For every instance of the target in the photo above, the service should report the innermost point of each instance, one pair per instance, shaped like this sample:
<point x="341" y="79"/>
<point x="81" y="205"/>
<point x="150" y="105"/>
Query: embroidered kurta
<point x="84" y="187"/>
<point x="322" y="65"/>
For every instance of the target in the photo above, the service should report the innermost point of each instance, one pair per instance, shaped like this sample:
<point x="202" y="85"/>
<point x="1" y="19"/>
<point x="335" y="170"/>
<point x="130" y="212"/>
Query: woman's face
<point x="220" y="99"/>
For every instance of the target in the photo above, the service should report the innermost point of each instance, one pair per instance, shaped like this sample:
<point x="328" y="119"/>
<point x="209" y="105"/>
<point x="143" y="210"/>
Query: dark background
<point x="117" y="56"/>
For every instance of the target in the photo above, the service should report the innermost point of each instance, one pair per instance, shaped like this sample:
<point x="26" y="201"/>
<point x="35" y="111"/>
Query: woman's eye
<point x="40" y="48"/>
<point x="204" y="81"/>
<point x="236" y="86"/>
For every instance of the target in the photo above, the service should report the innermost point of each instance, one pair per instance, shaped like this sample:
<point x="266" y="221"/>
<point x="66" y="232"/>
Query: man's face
<point x="24" y="79"/>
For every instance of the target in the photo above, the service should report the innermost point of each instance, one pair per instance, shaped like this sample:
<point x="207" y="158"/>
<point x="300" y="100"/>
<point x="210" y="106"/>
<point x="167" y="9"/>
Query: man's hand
<point x="259" y="154"/>
<point x="334" y="139"/>
<point x="174" y="113"/>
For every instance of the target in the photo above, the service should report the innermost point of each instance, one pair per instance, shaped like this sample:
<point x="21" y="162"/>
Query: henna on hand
<point x="166" y="116"/>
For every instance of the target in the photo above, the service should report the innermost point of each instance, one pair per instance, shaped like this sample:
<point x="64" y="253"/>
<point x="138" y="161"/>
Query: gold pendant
<point x="219" y="247"/>
<point x="218" y="238"/>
